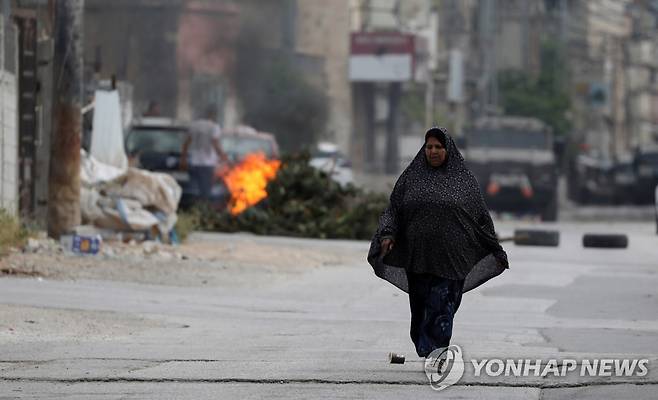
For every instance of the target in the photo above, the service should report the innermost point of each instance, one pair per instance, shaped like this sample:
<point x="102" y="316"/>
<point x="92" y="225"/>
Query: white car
<point x="329" y="159"/>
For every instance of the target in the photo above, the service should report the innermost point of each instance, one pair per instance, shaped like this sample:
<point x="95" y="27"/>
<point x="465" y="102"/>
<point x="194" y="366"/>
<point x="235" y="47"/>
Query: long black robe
<point x="440" y="225"/>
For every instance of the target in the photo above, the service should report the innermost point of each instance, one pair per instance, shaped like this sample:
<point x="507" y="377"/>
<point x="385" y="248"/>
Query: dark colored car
<point x="624" y="180"/>
<point x="155" y="144"/>
<point x="513" y="160"/>
<point x="646" y="169"/>
<point x="591" y="180"/>
<point x="241" y="141"/>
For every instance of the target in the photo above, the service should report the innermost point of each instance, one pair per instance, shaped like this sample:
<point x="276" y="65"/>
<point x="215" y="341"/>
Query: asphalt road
<point x="327" y="333"/>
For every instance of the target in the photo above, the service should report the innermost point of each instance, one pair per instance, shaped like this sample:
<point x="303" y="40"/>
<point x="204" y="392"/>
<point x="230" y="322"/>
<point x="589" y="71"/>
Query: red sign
<point x="381" y="43"/>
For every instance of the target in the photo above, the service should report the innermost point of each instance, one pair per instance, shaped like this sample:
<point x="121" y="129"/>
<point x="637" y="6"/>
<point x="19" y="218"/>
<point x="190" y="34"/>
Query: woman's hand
<point x="501" y="262"/>
<point x="387" y="246"/>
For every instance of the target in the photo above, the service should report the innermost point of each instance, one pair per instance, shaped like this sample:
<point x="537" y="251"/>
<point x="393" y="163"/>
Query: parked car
<point x="625" y="183"/>
<point x="243" y="140"/>
<point x="155" y="144"/>
<point x="329" y="159"/>
<point x="646" y="168"/>
<point x="591" y="180"/>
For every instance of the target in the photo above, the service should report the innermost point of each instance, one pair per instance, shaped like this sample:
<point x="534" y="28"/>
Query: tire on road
<point x="608" y="241"/>
<point x="536" y="237"/>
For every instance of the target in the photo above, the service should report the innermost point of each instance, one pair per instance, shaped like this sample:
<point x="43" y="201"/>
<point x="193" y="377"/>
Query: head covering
<point x="436" y="133"/>
<point x="439" y="222"/>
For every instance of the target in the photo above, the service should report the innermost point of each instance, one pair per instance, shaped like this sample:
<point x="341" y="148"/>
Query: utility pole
<point x="564" y="19"/>
<point x="493" y="51"/>
<point x="488" y="85"/>
<point x="525" y="30"/>
<point x="432" y="66"/>
<point x="64" y="177"/>
<point x="391" y="165"/>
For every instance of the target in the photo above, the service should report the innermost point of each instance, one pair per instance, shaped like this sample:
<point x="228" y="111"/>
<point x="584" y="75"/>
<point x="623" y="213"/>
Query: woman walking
<point x="436" y="239"/>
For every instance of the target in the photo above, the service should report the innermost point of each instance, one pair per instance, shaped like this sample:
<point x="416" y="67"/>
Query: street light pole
<point x="64" y="177"/>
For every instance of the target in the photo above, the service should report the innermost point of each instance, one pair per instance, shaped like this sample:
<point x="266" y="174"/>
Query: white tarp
<point x="94" y="172"/>
<point x="150" y="189"/>
<point x="107" y="133"/>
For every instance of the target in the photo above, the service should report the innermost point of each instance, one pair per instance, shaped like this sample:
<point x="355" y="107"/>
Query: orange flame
<point x="247" y="181"/>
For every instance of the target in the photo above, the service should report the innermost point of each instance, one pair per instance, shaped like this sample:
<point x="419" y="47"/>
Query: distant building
<point x="610" y="49"/>
<point x="392" y="41"/>
<point x="316" y="39"/>
<point x="641" y="70"/>
<point x="136" y="41"/>
<point x="177" y="53"/>
<point x="323" y="31"/>
<point x="182" y="53"/>
<point x="613" y="60"/>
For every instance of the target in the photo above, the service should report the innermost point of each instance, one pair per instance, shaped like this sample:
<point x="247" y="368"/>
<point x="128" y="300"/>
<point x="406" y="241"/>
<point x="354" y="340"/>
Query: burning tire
<point x="608" y="241"/>
<point x="536" y="237"/>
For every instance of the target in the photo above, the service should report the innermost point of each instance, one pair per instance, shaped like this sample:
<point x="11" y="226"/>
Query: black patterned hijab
<point x="439" y="223"/>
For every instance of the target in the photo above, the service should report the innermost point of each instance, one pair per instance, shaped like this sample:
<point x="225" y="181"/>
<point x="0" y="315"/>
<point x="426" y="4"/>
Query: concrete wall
<point x="8" y="118"/>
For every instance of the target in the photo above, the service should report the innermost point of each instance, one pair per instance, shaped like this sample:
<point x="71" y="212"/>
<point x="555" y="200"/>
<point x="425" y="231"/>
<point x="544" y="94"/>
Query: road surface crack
<point x="320" y="381"/>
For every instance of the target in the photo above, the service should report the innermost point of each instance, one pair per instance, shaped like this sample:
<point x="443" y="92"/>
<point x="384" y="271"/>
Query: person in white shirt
<point x="202" y="151"/>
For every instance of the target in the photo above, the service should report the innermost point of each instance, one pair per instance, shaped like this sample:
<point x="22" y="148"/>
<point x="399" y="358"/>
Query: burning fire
<point x="247" y="181"/>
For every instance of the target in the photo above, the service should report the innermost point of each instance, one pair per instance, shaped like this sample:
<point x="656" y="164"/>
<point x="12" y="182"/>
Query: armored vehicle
<point x="513" y="160"/>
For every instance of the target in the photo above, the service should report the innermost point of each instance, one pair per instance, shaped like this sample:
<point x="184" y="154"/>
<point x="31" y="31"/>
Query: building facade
<point x="182" y="53"/>
<point x="641" y="73"/>
<point x="613" y="53"/>
<point x="383" y="140"/>
<point x="323" y="32"/>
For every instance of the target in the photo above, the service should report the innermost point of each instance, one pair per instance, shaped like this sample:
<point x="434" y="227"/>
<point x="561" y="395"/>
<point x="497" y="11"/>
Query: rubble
<point x="40" y="245"/>
<point x="32" y="245"/>
<point x="150" y="247"/>
<point x="114" y="249"/>
<point x="211" y="261"/>
<point x="115" y="198"/>
<point x="126" y="202"/>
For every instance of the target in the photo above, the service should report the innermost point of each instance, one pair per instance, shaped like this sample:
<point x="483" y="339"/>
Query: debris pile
<point x="131" y="200"/>
<point x="304" y="202"/>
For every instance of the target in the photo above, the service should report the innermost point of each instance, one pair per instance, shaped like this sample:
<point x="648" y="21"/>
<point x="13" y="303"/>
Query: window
<point x="156" y="140"/>
<point x="237" y="148"/>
